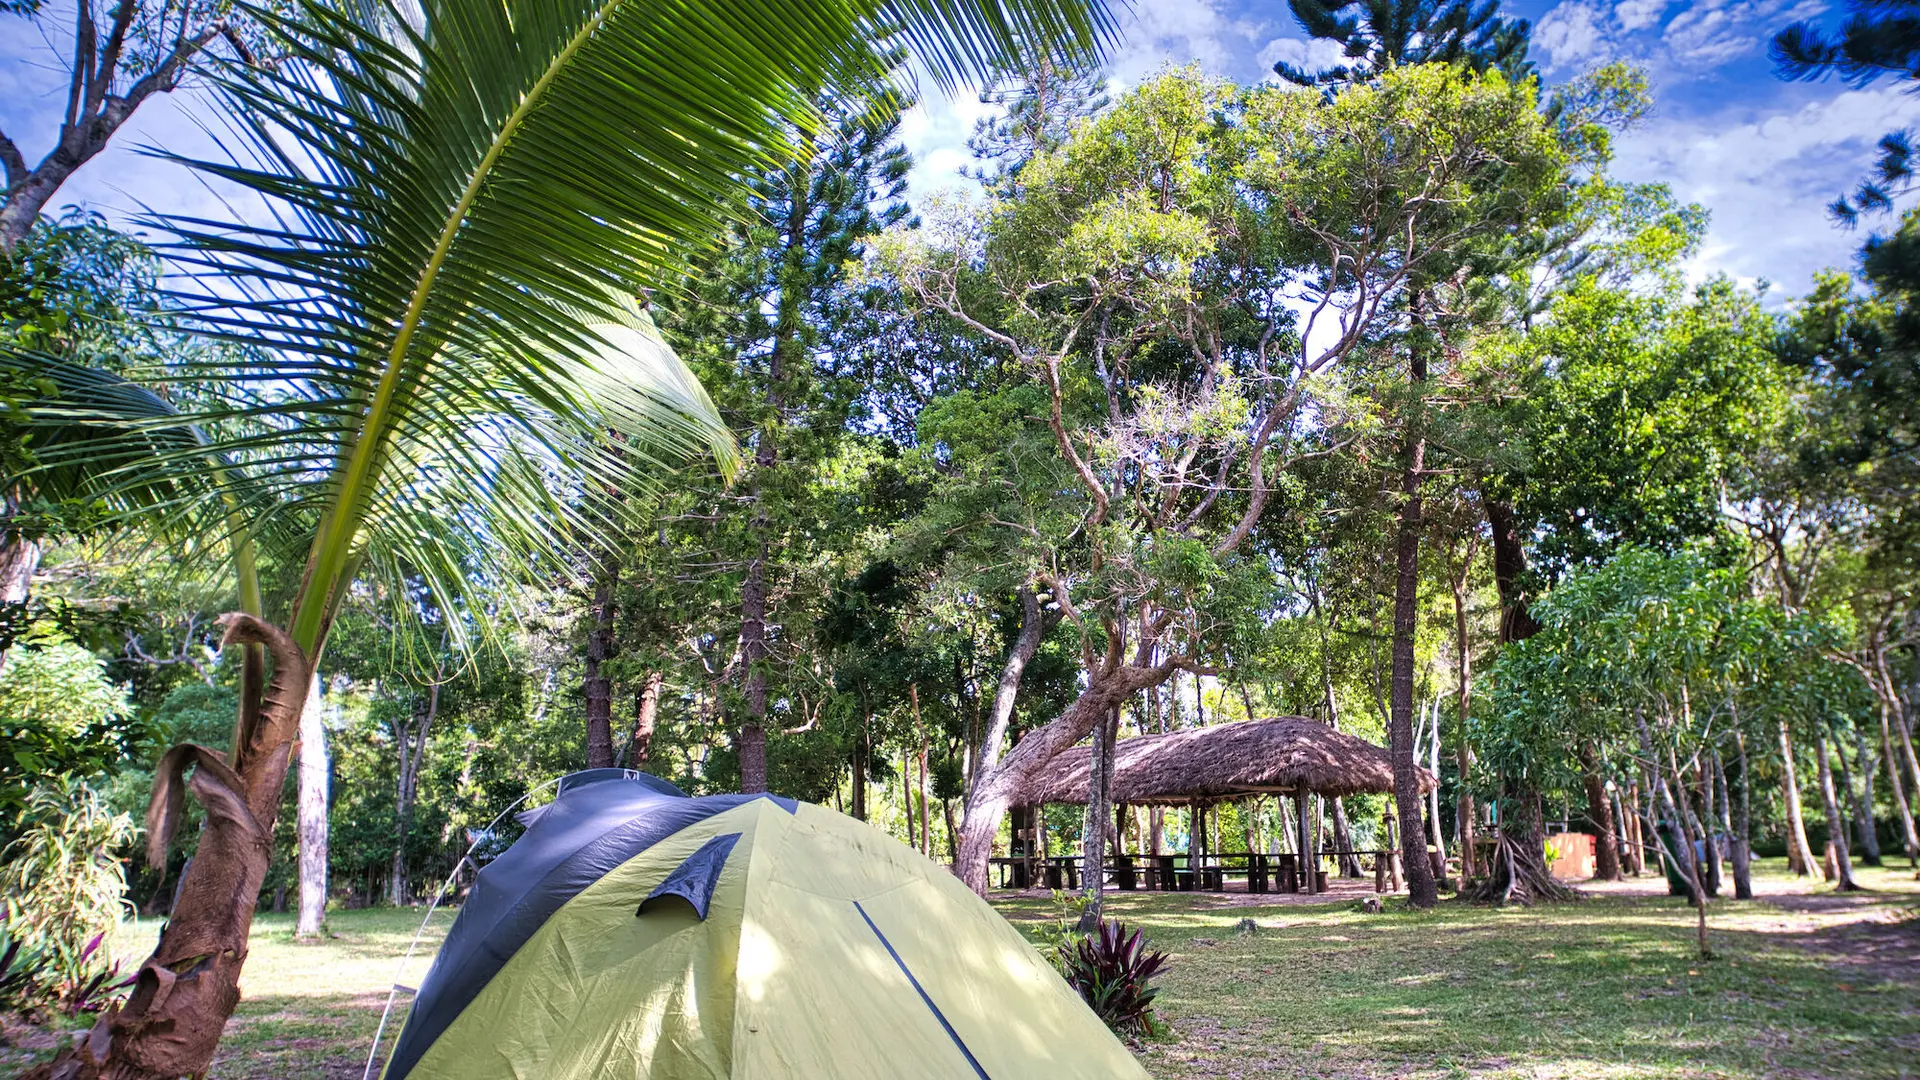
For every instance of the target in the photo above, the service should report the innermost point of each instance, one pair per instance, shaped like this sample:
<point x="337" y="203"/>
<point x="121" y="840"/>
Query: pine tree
<point x="1377" y="34"/>
<point x="1043" y="101"/>
<point x="756" y="324"/>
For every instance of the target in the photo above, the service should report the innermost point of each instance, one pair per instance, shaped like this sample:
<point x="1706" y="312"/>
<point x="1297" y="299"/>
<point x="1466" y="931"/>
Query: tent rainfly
<point x="1279" y="755"/>
<point x="634" y="932"/>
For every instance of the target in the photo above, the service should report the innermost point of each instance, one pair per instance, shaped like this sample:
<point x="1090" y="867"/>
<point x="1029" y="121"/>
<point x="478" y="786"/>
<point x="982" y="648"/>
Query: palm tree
<point x="439" y="351"/>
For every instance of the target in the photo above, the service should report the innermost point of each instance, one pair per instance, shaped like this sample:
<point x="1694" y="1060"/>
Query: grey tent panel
<point x="694" y="879"/>
<point x="595" y="824"/>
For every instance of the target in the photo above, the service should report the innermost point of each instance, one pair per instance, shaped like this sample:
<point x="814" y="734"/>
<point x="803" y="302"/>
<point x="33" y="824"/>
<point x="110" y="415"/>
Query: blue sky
<point x="1764" y="156"/>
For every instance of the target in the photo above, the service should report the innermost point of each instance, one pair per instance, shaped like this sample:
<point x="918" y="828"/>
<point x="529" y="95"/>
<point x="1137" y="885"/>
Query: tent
<point x="635" y="932"/>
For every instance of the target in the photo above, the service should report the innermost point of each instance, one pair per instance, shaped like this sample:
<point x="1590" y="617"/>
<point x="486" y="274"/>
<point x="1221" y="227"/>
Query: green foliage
<point x="59" y="716"/>
<point x="1640" y="410"/>
<point x="77" y="286"/>
<point x="64" y="886"/>
<point x="1676" y="639"/>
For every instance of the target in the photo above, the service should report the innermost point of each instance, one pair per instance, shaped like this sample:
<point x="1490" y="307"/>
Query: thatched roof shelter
<point x="1284" y="754"/>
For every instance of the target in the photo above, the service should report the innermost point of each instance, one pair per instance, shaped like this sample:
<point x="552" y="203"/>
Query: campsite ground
<point x="1806" y="985"/>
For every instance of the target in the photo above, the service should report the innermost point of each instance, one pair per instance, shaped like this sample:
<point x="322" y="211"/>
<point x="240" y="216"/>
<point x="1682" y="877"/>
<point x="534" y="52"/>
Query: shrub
<point x="65" y="891"/>
<point x="1113" y="971"/>
<point x="59" y="715"/>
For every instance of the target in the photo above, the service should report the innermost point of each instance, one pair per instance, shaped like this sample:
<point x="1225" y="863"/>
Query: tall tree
<point x="1137" y="286"/>
<point x="759" y="324"/>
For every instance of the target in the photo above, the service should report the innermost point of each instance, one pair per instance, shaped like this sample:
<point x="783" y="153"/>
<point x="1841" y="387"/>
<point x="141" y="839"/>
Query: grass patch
<point x="1608" y="987"/>
<point x="1804" y="987"/>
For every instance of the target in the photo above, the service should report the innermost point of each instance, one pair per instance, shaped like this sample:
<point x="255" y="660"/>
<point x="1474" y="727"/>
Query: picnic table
<point x="1263" y="872"/>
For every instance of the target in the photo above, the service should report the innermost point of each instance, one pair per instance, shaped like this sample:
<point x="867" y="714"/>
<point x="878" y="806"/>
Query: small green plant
<point x="1113" y="971"/>
<point x="1055" y="939"/>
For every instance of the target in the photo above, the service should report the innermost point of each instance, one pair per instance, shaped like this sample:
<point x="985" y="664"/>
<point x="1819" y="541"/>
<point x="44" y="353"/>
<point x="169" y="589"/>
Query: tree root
<point x="1519" y="876"/>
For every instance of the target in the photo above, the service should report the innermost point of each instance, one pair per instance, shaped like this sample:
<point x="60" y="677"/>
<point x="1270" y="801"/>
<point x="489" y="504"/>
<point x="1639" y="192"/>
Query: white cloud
<point x="1163" y="32"/>
<point x="1633" y="15"/>
<point x="1765" y="179"/>
<point x="1315" y="55"/>
<point x="1155" y="34"/>
<point x="1571" y="34"/>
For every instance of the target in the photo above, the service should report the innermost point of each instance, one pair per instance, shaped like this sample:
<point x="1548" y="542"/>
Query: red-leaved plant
<point x="1112" y="970"/>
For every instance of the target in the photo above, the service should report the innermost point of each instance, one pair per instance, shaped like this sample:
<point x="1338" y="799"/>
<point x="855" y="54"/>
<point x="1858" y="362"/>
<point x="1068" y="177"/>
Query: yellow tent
<point x="635" y="932"/>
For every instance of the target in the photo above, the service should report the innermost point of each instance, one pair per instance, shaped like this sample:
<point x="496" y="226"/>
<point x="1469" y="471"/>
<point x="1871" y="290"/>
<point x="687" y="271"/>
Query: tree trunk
<point x="1509" y="565"/>
<point x="1800" y="856"/>
<point x="1606" y="847"/>
<point x="1025" y="644"/>
<point x="862" y="762"/>
<point x="1836" y="831"/>
<point x="1702" y="822"/>
<point x="751" y="743"/>
<point x="599" y="687"/>
<point x="1693" y="845"/>
<point x="906" y="798"/>
<point x="1463" y="674"/>
<point x="1740" y="830"/>
<point x="1435" y="833"/>
<point x="996" y="788"/>
<point x="1627" y="826"/>
<point x="312" y="820"/>
<point x="184" y="992"/>
<point x="1099" y="812"/>
<point x="646" y="711"/>
<point x="1343" y="839"/>
<point x="19" y="558"/>
<point x="1421" y="889"/>
<point x="920" y="734"/>
<point x="1859" y="799"/>
<point x="413" y="750"/>
<point x="1898" y="787"/>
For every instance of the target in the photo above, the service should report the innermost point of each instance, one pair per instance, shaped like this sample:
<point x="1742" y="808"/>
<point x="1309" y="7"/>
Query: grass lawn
<point x="1806" y="985"/>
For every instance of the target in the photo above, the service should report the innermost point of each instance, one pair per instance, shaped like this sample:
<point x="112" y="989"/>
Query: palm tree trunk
<point x="312" y="823"/>
<point x="183" y="993"/>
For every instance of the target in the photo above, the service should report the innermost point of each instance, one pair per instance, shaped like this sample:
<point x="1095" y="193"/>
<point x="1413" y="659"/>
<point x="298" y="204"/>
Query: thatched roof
<point x="1281" y="754"/>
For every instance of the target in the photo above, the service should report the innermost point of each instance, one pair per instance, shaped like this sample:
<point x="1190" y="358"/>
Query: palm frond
<point x="466" y="194"/>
